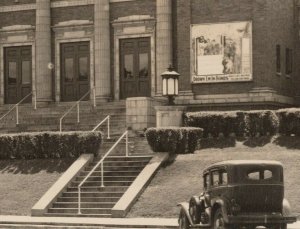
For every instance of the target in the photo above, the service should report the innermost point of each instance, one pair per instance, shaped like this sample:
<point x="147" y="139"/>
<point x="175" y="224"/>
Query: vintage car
<point x="239" y="194"/>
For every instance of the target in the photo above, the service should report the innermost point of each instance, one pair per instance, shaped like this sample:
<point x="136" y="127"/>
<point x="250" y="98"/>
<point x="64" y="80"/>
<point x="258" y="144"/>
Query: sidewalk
<point x="71" y="222"/>
<point x="85" y="221"/>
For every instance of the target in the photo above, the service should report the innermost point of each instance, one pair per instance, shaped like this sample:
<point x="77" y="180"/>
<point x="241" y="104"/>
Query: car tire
<point x="183" y="221"/>
<point x="195" y="211"/>
<point x="219" y="222"/>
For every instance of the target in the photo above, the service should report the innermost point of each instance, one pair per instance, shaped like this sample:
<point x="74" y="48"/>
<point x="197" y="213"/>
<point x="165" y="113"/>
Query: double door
<point x="18" y="73"/>
<point x="75" y="70"/>
<point x="135" y="75"/>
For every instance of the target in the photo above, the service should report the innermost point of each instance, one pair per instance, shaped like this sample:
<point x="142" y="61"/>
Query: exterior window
<point x="26" y="72"/>
<point x="289" y="61"/>
<point x="12" y="72"/>
<point x="278" y="62"/>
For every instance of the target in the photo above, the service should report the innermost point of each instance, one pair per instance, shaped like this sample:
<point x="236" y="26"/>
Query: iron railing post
<point x="127" y="154"/>
<point x="102" y="174"/>
<point x="60" y="125"/>
<point x="108" y="127"/>
<point x="94" y="96"/>
<point x="17" y="114"/>
<point x="34" y="95"/>
<point x="79" y="200"/>
<point x="78" y="118"/>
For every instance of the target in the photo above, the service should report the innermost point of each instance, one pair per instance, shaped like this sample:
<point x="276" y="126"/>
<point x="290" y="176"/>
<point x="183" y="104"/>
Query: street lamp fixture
<point x="170" y="84"/>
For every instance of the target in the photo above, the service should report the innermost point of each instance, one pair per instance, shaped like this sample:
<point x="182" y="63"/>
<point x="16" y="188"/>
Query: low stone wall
<point x="140" y="112"/>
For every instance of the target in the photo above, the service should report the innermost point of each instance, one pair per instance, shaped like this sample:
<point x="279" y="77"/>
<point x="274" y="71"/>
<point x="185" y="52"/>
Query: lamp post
<point x="170" y="84"/>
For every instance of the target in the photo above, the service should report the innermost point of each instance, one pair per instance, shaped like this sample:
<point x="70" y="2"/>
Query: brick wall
<point x="12" y="2"/>
<point x="266" y="16"/>
<point x="17" y="18"/>
<point x="72" y="13"/>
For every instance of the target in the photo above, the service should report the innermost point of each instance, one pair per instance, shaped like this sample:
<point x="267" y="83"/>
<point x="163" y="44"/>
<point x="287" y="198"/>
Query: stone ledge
<point x="138" y="186"/>
<point x="60" y="185"/>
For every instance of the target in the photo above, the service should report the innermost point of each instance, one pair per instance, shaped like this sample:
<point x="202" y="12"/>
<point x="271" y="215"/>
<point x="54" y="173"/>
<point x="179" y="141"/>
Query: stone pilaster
<point x="163" y="39"/>
<point x="102" y="50"/>
<point x="43" y="51"/>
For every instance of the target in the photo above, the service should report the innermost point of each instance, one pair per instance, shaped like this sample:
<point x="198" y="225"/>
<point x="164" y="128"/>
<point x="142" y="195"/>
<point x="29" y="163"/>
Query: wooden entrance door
<point x="135" y="68"/>
<point x="18" y="73"/>
<point x="75" y="70"/>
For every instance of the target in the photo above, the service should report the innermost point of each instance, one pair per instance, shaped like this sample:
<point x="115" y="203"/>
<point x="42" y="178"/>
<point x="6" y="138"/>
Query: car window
<point x="224" y="178"/>
<point x="215" y="178"/>
<point x="260" y="174"/>
<point x="206" y="180"/>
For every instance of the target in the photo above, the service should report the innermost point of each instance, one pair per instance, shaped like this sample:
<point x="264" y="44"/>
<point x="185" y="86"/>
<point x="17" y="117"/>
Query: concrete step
<point x="117" y="168"/>
<point x="78" y="215"/>
<point x="93" y="194"/>
<point x="106" y="178"/>
<point x="99" y="189"/>
<point x="91" y="205"/>
<point x="98" y="183"/>
<point x="121" y="163"/>
<point x="88" y="199"/>
<point x="111" y="173"/>
<point x="83" y="210"/>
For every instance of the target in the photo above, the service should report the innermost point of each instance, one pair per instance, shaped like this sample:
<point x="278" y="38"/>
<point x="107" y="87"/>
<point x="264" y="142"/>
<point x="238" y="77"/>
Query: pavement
<point x="8" y="221"/>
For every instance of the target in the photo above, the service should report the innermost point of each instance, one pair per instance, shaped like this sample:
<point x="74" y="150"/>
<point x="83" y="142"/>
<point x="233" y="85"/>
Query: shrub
<point x="214" y="123"/>
<point x="260" y="123"/>
<point x="241" y="123"/>
<point x="48" y="144"/>
<point x="176" y="140"/>
<point x="289" y="121"/>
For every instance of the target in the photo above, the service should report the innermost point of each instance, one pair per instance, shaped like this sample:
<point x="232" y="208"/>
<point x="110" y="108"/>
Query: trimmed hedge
<point x="289" y="121"/>
<point x="49" y="144"/>
<point x="176" y="140"/>
<point x="241" y="123"/>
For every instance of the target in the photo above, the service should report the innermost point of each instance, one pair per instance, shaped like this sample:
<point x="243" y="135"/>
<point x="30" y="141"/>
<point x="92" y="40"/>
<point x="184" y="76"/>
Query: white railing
<point x="77" y="104"/>
<point x="16" y="106"/>
<point x="125" y="135"/>
<point x="107" y="119"/>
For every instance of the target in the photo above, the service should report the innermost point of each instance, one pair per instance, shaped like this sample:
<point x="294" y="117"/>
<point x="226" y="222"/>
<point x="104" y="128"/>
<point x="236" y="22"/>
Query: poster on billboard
<point x="221" y="52"/>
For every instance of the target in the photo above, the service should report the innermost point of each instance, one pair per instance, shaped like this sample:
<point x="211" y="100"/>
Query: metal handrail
<point x="17" y="107"/>
<point x="77" y="103"/>
<point x="107" y="118"/>
<point x="102" y="170"/>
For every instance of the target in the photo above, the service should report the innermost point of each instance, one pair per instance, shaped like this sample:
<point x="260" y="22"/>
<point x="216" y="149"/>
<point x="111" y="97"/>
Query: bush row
<point x="48" y="144"/>
<point x="174" y="139"/>
<point x="241" y="123"/>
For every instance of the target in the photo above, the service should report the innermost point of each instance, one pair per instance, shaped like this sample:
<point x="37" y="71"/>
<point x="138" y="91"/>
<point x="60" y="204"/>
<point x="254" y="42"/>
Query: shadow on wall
<point x="35" y="166"/>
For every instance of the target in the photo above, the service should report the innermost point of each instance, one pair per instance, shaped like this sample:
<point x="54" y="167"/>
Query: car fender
<point x="185" y="208"/>
<point x="286" y="208"/>
<point x="218" y="202"/>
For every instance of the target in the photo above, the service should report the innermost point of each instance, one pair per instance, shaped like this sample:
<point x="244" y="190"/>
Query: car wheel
<point x="219" y="222"/>
<point x="183" y="221"/>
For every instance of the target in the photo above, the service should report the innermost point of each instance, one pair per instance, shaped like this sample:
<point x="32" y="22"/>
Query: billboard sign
<point x="221" y="52"/>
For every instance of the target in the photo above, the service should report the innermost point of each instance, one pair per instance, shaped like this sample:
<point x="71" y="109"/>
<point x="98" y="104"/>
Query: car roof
<point x="244" y="162"/>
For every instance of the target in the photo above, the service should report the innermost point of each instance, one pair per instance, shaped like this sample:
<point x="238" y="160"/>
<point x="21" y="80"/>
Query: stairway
<point x="97" y="201"/>
<point x="47" y="118"/>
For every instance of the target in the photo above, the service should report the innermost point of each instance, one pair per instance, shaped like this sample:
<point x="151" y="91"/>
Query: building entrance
<point x="75" y="70"/>
<point x="135" y="65"/>
<point x="18" y="73"/>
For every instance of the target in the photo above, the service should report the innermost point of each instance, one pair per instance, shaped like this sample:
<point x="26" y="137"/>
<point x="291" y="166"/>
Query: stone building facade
<point x="229" y="53"/>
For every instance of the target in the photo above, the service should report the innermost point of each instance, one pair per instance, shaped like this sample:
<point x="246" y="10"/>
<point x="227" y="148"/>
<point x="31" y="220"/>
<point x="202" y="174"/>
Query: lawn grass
<point x="183" y="178"/>
<point x="23" y="182"/>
